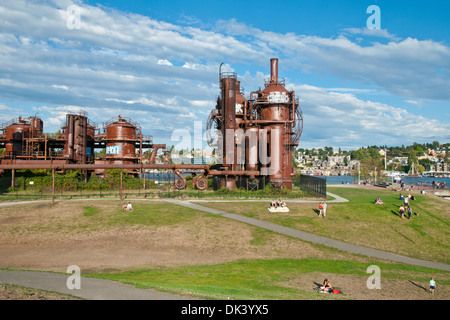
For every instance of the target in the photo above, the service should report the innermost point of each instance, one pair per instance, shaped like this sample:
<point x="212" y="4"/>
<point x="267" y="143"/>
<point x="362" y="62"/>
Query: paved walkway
<point x="306" y="236"/>
<point x="90" y="288"/>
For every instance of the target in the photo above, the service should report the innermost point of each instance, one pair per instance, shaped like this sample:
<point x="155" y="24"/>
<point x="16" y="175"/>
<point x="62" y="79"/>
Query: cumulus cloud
<point x="344" y="120"/>
<point x="166" y="74"/>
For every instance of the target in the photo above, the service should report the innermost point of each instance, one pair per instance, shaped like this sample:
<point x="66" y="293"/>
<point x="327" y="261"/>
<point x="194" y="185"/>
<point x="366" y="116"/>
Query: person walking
<point x="321" y="209"/>
<point x="409" y="212"/>
<point x="402" y="211"/>
<point x="324" y="208"/>
<point x="432" y="285"/>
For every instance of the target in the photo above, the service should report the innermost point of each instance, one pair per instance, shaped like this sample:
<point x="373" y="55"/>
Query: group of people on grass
<point x="326" y="287"/>
<point x="406" y="207"/>
<point x="127" y="207"/>
<point x="277" y="203"/>
<point x="438" y="185"/>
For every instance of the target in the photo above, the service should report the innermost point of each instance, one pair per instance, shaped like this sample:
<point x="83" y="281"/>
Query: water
<point x="416" y="181"/>
<point x="164" y="176"/>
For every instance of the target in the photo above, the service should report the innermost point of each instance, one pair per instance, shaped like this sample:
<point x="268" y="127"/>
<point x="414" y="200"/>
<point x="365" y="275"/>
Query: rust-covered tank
<point x="15" y="134"/>
<point x="121" y="135"/>
<point x="275" y="104"/>
<point x="75" y="134"/>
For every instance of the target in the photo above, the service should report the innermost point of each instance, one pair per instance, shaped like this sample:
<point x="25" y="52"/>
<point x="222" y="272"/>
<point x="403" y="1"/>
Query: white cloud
<point x="117" y="63"/>
<point x="381" y="33"/>
<point x="63" y="87"/>
<point x="339" y="118"/>
<point x="164" y="62"/>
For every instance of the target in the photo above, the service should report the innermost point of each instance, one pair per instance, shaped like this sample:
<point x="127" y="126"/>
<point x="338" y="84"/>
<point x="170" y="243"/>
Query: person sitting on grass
<point x="129" y="207"/>
<point x="379" y="201"/>
<point x="279" y="203"/>
<point x="326" y="286"/>
<point x="401" y="196"/>
<point x="125" y="207"/>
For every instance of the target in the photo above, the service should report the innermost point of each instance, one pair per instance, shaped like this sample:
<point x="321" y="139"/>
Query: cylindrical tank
<point x="276" y="103"/>
<point x="228" y="111"/>
<point x="251" y="156"/>
<point x="15" y="134"/>
<point x="75" y="133"/>
<point x="120" y="137"/>
<point x="37" y="127"/>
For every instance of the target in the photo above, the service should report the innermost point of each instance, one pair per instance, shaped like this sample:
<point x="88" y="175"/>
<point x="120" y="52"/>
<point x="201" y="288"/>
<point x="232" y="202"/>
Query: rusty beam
<point x="207" y="168"/>
<point x="73" y="166"/>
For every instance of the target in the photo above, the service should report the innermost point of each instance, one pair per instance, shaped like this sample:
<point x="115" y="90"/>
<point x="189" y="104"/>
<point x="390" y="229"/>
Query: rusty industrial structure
<point x="257" y="135"/>
<point x="28" y="146"/>
<point x="254" y="139"/>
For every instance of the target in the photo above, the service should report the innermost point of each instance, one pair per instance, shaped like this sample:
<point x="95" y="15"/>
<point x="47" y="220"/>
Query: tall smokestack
<point x="274" y="70"/>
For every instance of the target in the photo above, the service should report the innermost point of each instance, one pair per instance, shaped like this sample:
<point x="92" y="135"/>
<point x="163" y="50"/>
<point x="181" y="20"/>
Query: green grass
<point x="258" y="279"/>
<point x="149" y="214"/>
<point x="90" y="211"/>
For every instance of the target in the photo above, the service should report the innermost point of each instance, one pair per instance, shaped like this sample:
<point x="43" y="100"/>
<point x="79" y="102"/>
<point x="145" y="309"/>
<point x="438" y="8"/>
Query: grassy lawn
<point x="361" y="222"/>
<point x="358" y="221"/>
<point x="270" y="279"/>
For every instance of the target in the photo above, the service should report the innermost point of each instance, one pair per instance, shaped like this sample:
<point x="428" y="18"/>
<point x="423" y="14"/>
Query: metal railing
<point x="315" y="185"/>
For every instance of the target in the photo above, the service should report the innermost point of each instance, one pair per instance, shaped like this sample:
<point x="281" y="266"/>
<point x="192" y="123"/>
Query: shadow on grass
<point x="398" y="214"/>
<point x="418" y="285"/>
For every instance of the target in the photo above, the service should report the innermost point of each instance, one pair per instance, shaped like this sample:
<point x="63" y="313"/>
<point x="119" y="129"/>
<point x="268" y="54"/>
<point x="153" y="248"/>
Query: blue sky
<point x="157" y="63"/>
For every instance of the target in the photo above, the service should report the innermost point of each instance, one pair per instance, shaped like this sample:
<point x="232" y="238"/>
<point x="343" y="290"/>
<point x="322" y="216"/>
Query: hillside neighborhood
<point x="424" y="159"/>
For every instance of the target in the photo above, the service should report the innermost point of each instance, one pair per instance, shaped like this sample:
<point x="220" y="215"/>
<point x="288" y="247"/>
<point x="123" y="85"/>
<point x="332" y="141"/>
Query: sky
<point x="363" y="77"/>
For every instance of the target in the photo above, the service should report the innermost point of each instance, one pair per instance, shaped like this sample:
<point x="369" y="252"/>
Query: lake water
<point x="417" y="181"/>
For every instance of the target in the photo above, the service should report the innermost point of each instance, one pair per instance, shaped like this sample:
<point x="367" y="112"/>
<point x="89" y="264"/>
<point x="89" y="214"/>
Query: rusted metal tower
<point x="255" y="137"/>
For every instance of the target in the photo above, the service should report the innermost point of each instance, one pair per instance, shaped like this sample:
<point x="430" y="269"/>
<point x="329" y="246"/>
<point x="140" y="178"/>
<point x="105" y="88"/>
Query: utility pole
<point x="375" y="176"/>
<point x="359" y="172"/>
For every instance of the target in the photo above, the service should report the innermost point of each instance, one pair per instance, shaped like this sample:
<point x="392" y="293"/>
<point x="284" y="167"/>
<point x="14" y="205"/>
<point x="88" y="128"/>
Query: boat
<point x="395" y="175"/>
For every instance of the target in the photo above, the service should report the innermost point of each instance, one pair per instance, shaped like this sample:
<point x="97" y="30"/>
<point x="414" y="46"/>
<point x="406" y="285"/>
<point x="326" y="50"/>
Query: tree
<point x="374" y="154"/>
<point x="328" y="151"/>
<point x="412" y="158"/>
